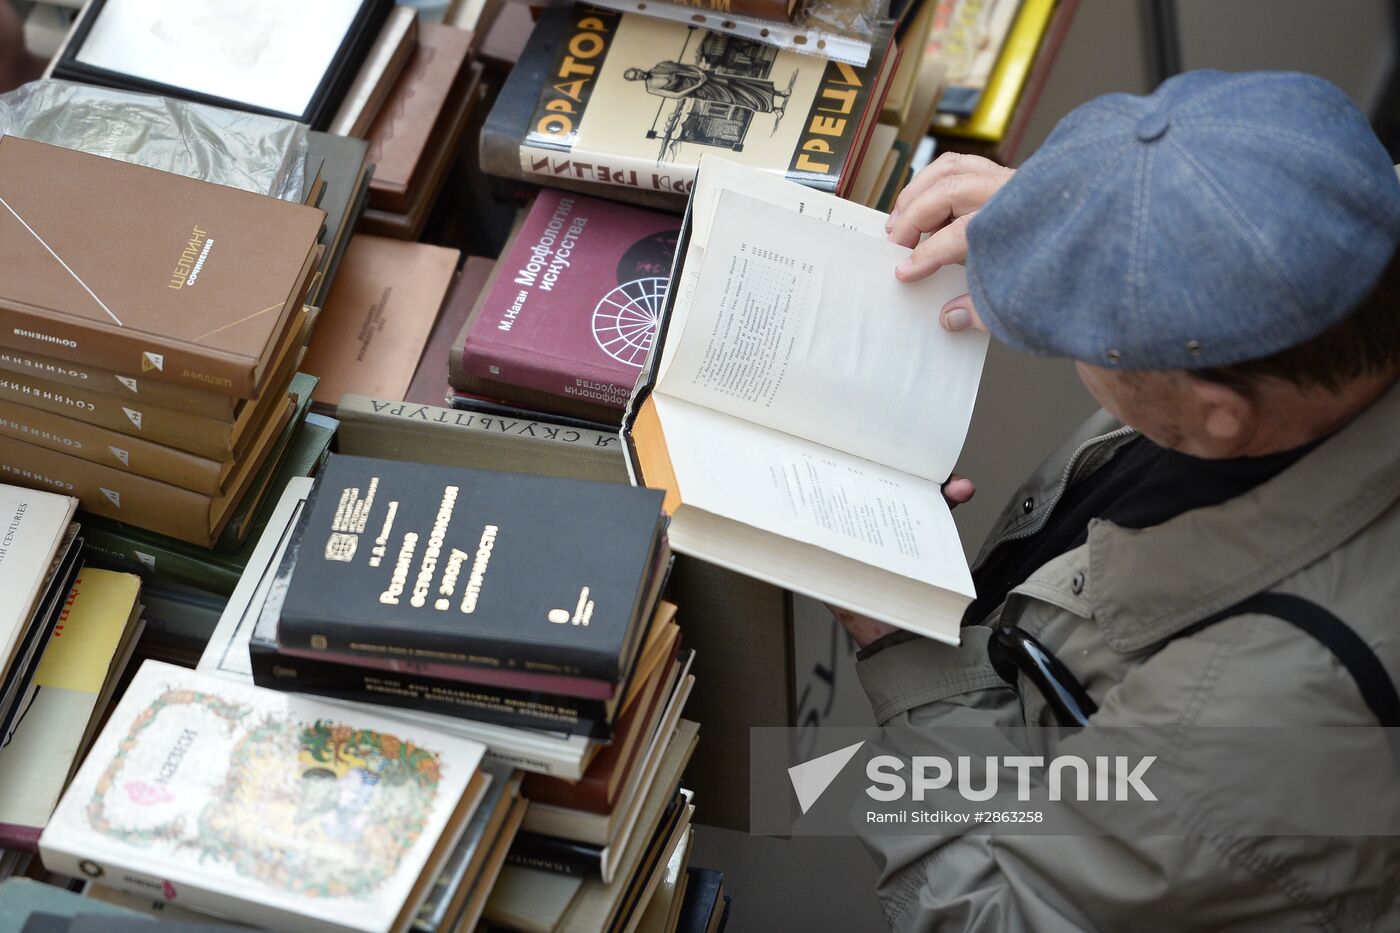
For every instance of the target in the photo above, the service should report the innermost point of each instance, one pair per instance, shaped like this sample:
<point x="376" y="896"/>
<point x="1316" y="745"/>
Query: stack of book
<point x="998" y="55"/>
<point x="565" y="320"/>
<point x="63" y="691"/>
<point x="415" y="137"/>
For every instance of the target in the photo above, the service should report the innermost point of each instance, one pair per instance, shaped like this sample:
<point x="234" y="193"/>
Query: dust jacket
<point x="528" y="574"/>
<point x="144" y="272"/>
<point x="264" y="807"/>
<point x="567" y="320"/>
<point x="607" y="99"/>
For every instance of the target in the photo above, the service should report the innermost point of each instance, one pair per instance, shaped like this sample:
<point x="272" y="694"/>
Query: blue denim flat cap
<point x="1222" y="218"/>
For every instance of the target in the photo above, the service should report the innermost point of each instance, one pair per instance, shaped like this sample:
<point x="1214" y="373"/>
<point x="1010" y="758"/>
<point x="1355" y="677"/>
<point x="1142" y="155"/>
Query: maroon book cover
<point x="567" y="321"/>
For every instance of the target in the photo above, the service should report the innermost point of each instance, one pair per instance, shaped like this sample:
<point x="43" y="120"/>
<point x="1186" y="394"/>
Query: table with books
<point x="416" y="421"/>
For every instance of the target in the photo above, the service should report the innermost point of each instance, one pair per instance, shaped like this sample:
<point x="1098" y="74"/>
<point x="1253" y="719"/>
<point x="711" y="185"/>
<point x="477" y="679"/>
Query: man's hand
<point x="941" y="201"/>
<point x="864" y="630"/>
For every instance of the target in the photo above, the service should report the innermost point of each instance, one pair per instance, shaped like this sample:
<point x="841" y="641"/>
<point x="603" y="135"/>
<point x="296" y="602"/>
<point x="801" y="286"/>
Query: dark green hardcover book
<point x="443" y="567"/>
<point x="215" y="570"/>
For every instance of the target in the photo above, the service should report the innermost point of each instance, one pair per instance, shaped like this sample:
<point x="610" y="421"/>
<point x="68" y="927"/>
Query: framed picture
<point x="292" y="60"/>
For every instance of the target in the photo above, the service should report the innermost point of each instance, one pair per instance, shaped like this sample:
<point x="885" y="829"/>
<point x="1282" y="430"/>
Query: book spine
<point x="614" y="170"/>
<point x="145" y="503"/>
<point x="338" y="634"/>
<point x="157" y="560"/>
<point x="201" y="436"/>
<point x="486" y="677"/>
<point x="546" y="853"/>
<point x="491" y="367"/>
<point x="96" y="379"/>
<point x="111" y="448"/>
<point x="513" y="709"/>
<point x="35" y="330"/>
<point x="69" y="857"/>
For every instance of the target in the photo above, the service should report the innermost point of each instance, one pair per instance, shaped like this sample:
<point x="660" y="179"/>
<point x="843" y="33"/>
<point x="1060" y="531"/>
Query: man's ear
<point x="1228" y="416"/>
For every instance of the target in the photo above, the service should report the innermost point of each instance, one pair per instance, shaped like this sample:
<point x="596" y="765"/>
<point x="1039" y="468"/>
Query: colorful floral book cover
<point x="264" y="807"/>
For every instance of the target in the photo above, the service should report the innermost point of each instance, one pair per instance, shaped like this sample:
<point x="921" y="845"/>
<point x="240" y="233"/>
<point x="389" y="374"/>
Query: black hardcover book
<point x="519" y="709"/>
<point x="448" y="567"/>
<point x="320" y="105"/>
<point x="703" y="890"/>
<point x="560" y="856"/>
<point x="15" y="693"/>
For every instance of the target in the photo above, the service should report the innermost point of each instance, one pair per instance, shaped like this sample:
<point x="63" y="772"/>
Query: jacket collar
<point x="1144" y="585"/>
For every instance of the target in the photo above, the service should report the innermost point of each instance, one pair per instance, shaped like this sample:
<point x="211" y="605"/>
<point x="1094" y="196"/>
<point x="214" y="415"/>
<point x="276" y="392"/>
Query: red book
<point x="565" y="323"/>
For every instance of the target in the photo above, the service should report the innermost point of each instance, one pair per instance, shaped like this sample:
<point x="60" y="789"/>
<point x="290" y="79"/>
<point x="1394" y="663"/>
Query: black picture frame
<point x="326" y="99"/>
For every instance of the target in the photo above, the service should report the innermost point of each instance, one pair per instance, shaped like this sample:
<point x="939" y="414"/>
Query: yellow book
<point x="993" y="114"/>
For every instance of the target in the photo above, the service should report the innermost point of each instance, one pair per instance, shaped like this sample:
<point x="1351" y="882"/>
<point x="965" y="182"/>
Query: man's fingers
<point x="949" y="163"/>
<point x="958" y="489"/>
<point x="943" y="201"/>
<point x="960" y="314"/>
<point x="944" y="247"/>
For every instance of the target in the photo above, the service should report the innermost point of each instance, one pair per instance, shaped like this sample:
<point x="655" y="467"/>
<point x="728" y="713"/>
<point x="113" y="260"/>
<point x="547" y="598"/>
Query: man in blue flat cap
<point x="1219" y="258"/>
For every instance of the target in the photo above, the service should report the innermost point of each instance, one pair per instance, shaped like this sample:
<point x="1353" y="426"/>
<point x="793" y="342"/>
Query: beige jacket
<point x="1326" y="529"/>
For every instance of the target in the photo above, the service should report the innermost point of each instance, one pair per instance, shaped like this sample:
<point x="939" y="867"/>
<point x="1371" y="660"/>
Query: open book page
<point x="720" y="174"/>
<point x="801" y="326"/>
<point x="801" y="490"/>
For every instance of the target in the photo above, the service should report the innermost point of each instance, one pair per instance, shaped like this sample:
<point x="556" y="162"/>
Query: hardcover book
<point x="377" y="317"/>
<point x="371" y="427"/>
<point x="795" y="467"/>
<point x="122" y="385"/>
<point x="264" y="807"/>
<point x="429" y="385"/>
<point x="347" y="172"/>
<point x="141" y="271"/>
<point x="383" y="64"/>
<point x="569" y="314"/>
<point x="146" y="503"/>
<point x="473" y="568"/>
<point x="606" y="99"/>
<point x="226" y="655"/>
<point x="422" y="97"/>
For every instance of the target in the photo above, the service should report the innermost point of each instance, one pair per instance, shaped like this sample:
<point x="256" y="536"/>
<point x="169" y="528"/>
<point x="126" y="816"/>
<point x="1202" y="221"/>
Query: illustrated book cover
<point x="264" y="807"/>
<point x="602" y="98"/>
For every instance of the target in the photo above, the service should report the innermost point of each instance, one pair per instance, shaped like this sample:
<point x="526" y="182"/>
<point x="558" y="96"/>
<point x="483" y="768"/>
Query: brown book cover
<point x="137" y="500"/>
<point x="382" y="67"/>
<point x="205" y="437"/>
<point x="442" y="147"/>
<point x="97" y="379"/>
<point x="398" y="140"/>
<point x="377" y="317"/>
<point x="111" y="448"/>
<point x="138" y="270"/>
<point x="429" y="385"/>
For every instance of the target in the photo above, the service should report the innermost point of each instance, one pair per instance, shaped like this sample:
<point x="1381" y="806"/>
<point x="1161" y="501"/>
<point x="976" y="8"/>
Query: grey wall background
<point x="1026" y="405"/>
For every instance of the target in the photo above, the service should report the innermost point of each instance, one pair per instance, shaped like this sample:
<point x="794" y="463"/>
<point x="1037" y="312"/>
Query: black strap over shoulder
<point x="1013" y="651"/>
<point x="1372" y="679"/>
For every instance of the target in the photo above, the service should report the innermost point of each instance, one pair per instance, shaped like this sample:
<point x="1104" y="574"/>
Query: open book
<point x="804" y="407"/>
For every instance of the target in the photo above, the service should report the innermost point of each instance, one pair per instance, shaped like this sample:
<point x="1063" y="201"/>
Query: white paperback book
<point x="806" y="406"/>
<point x="267" y="808"/>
